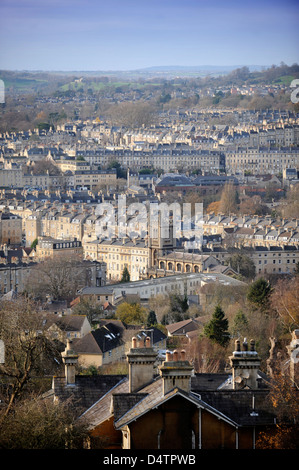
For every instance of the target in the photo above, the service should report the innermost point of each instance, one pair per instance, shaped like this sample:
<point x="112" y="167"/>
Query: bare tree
<point x="27" y="351"/>
<point x="229" y="199"/>
<point x="42" y="424"/>
<point x="132" y="115"/>
<point x="59" y="278"/>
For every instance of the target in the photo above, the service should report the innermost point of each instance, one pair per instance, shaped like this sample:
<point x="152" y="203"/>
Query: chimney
<point x="70" y="360"/>
<point x="293" y="350"/>
<point x="245" y="365"/>
<point x="176" y="371"/>
<point x="141" y="359"/>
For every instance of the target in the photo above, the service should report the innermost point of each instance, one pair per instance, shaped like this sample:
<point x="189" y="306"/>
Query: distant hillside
<point x="201" y="69"/>
<point x="47" y="83"/>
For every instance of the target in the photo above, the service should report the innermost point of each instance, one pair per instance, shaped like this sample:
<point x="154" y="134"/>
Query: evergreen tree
<point x="151" y="318"/>
<point x="259" y="293"/>
<point x="179" y="303"/>
<point x="125" y="275"/>
<point x="34" y="243"/>
<point x="217" y="329"/>
<point x="240" y="323"/>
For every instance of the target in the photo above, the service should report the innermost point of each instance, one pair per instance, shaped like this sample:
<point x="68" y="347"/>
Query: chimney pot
<point x="175" y="355"/>
<point x="175" y="372"/>
<point x="168" y="356"/>
<point x="141" y="361"/>
<point x="148" y="342"/>
<point x="245" y="365"/>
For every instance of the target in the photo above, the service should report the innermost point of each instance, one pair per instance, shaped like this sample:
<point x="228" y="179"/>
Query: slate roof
<point x="154" y="333"/>
<point x="100" y="410"/>
<point x="65" y="323"/>
<point x="175" y="180"/>
<point x="183" y="327"/>
<point x="86" y="392"/>
<point x="99" y="341"/>
<point x="233" y="406"/>
<point x="238" y="406"/>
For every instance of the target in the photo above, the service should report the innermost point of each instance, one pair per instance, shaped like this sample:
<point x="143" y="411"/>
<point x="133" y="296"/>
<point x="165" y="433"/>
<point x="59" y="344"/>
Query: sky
<point x="69" y="35"/>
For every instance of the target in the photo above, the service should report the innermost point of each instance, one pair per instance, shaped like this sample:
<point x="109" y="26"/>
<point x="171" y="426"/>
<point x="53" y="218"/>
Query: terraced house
<point x="118" y="254"/>
<point x="261" y="160"/>
<point x="253" y="230"/>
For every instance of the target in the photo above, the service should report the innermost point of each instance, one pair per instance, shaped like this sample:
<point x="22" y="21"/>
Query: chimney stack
<point x="176" y="371"/>
<point x="245" y="365"/>
<point x="70" y="360"/>
<point x="141" y="359"/>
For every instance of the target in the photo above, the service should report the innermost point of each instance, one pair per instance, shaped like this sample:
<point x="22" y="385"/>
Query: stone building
<point x="168" y="406"/>
<point x="10" y="228"/>
<point x="48" y="247"/>
<point x="261" y="160"/>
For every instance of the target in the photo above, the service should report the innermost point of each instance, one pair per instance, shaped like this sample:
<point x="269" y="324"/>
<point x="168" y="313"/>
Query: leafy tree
<point x="259" y="293"/>
<point x="43" y="126"/>
<point x="164" y="98"/>
<point x="242" y="264"/>
<point x="125" y="275"/>
<point x="146" y="171"/>
<point x="217" y="97"/>
<point x="217" y="329"/>
<point x="179" y="303"/>
<point x="120" y="173"/>
<point x="131" y="313"/>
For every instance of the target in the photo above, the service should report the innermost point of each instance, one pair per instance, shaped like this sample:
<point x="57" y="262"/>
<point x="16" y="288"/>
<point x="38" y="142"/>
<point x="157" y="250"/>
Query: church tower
<point x="161" y="237"/>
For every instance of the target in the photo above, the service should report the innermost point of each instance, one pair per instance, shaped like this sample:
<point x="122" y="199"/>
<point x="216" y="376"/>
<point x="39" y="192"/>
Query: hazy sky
<point x="131" y="34"/>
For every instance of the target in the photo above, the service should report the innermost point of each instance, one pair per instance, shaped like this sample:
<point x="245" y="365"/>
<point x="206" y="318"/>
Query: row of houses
<point x="74" y="229"/>
<point x="98" y="346"/>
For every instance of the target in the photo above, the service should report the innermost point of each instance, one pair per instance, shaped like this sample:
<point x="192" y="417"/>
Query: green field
<point x="286" y="79"/>
<point x="24" y="84"/>
<point x="99" y="86"/>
